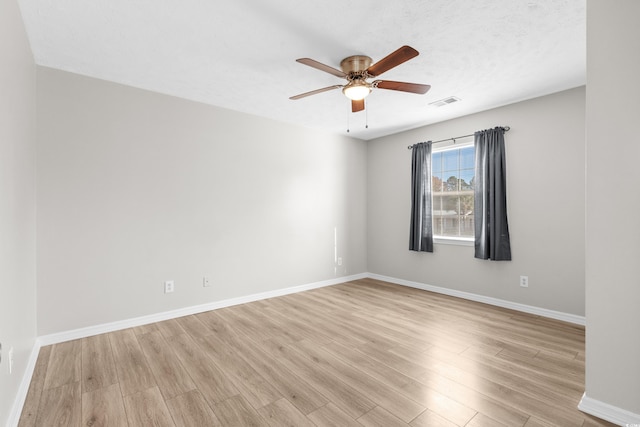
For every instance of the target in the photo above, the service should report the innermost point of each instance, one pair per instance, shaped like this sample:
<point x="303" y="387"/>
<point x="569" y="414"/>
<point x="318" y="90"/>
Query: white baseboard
<point x="608" y="412"/>
<point x="558" y="315"/>
<point x="23" y="389"/>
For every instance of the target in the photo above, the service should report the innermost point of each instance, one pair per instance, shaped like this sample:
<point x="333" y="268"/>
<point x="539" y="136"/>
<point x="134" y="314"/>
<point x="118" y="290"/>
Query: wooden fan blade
<point x="357" y="106"/>
<point x="402" y="86"/>
<point x="313" y="92"/>
<point x="320" y="66"/>
<point x="394" y="59"/>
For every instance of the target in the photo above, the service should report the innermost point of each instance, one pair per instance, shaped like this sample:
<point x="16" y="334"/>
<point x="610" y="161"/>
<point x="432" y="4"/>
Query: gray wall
<point x="135" y="188"/>
<point x="17" y="202"/>
<point x="545" y="172"/>
<point x="613" y="203"/>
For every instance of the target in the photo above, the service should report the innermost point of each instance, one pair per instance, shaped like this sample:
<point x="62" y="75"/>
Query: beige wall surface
<point x="613" y="203"/>
<point x="17" y="202"/>
<point x="135" y="188"/>
<point x="545" y="189"/>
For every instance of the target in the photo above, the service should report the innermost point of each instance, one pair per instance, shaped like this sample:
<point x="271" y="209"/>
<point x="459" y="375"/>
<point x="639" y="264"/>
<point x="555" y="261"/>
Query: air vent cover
<point x="445" y="101"/>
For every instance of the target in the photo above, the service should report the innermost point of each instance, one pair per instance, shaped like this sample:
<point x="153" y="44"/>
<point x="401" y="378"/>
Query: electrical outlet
<point x="524" y="281"/>
<point x="10" y="360"/>
<point x="168" y="286"/>
<point x="340" y="261"/>
<point x="206" y="282"/>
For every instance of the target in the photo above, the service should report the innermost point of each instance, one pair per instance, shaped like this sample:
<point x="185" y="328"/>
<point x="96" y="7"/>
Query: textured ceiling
<point x="241" y="54"/>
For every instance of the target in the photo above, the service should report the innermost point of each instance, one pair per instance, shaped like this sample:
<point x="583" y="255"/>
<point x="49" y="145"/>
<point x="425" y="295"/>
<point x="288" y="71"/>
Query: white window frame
<point x="450" y="240"/>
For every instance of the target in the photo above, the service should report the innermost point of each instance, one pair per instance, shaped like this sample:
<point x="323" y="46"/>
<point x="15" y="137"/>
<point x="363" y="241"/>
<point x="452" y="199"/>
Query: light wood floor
<point x="364" y="353"/>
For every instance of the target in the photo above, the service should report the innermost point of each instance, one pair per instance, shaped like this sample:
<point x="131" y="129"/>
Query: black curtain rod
<point x="506" y="129"/>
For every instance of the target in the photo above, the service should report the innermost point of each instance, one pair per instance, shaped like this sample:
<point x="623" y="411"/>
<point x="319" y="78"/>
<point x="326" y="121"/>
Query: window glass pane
<point x="451" y="183"/>
<point x="466" y="204"/>
<point x="450" y="160"/>
<point x="436" y="184"/>
<point x="467" y="158"/>
<point x="436" y="162"/>
<point x="448" y="206"/>
<point x="466" y="177"/>
<point x="437" y="226"/>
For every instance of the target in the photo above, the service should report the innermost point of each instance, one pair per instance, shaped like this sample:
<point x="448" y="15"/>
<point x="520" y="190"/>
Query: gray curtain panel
<point x="421" y="233"/>
<point x="490" y="197"/>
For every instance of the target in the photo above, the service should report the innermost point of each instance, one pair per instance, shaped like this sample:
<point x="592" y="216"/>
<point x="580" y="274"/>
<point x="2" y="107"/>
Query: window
<point x="452" y="176"/>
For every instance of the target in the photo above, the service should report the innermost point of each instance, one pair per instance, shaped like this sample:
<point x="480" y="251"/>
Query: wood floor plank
<point x="536" y="422"/>
<point x="247" y="380"/>
<point x="214" y="321"/>
<point x="65" y="363"/>
<point x="147" y="408"/>
<point x="236" y="411"/>
<point x="303" y="329"/>
<point x="496" y="409"/>
<point x="169" y="328"/>
<point x="419" y="335"/>
<point x="430" y="419"/>
<point x="259" y="326"/>
<point x="282" y="413"/>
<point x="61" y="406"/>
<point x="494" y="382"/>
<point x="255" y="332"/>
<point x="210" y="380"/>
<point x="349" y="323"/>
<point x="103" y="407"/>
<point x="170" y="375"/>
<point x="411" y="368"/>
<point x="517" y="399"/>
<point x="300" y="393"/>
<point x="354" y="403"/>
<point x="399" y="405"/>
<point x="404" y="385"/>
<point x="554" y="388"/>
<point x="332" y="416"/>
<point x="193" y="326"/>
<point x="98" y="367"/>
<point x="32" y="401"/>
<point x="481" y="420"/>
<point x="553" y="364"/>
<point x="321" y="318"/>
<point x="134" y="374"/>
<point x="379" y="417"/>
<point x="192" y="410"/>
<point x="145" y="329"/>
<point x="373" y="367"/>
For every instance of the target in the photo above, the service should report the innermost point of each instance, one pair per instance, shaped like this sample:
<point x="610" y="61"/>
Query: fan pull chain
<point x="366" y="118"/>
<point x="348" y="111"/>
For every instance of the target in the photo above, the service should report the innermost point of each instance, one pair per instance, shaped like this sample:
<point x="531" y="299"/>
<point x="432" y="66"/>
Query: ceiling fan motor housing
<point x="356" y="64"/>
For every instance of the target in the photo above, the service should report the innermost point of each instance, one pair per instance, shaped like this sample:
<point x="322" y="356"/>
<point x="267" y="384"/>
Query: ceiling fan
<point x="357" y="69"/>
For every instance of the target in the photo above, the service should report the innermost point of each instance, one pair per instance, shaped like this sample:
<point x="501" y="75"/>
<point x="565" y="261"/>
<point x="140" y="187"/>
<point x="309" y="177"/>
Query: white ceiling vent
<point x="445" y="101"/>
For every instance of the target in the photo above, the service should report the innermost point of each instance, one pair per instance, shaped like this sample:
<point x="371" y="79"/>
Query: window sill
<point x="453" y="241"/>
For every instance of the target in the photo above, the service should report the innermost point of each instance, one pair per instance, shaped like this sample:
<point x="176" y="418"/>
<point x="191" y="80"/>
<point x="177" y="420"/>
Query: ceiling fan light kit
<point x="357" y="69"/>
<point x="357" y="90"/>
